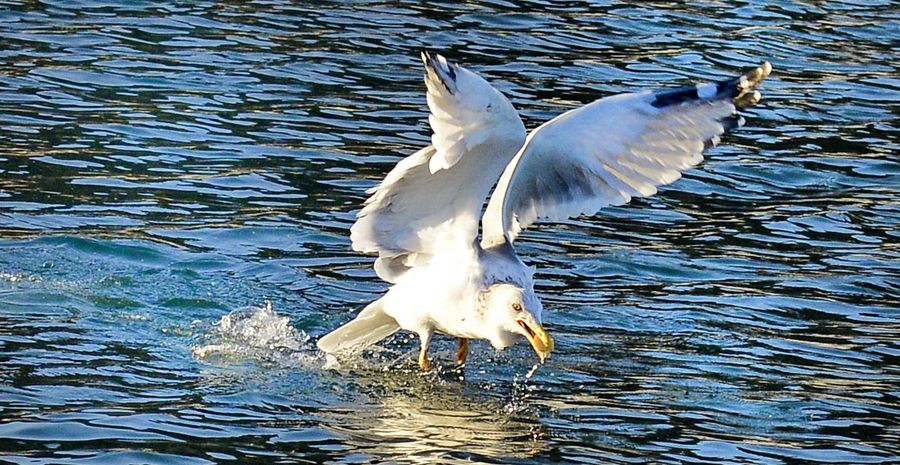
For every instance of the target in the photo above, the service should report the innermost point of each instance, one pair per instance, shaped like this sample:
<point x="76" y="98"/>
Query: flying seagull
<point x="423" y="219"/>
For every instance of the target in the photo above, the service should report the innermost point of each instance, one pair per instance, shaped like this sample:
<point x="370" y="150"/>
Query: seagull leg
<point x="462" y="352"/>
<point x="424" y="363"/>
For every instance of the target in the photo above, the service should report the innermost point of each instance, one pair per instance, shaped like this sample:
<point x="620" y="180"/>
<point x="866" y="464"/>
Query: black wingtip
<point x="440" y="69"/>
<point x="427" y="57"/>
<point x="741" y="89"/>
<point x="675" y="97"/>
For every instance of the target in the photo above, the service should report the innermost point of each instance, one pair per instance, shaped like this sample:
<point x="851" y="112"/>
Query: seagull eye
<point x="517" y="307"/>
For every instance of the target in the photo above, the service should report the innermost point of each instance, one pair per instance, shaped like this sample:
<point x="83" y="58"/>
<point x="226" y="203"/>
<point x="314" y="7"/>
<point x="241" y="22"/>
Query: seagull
<point x="423" y="219"/>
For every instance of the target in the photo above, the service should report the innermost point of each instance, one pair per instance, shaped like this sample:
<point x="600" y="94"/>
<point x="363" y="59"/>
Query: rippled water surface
<point x="168" y="168"/>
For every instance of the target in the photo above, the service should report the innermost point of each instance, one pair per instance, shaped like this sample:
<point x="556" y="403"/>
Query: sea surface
<point x="177" y="181"/>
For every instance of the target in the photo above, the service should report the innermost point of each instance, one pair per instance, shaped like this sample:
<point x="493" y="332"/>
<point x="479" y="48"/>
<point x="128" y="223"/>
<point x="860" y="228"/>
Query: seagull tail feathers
<point x="370" y="326"/>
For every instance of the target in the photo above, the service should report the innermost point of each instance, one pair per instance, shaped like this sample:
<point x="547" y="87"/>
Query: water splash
<point x="520" y="398"/>
<point x="256" y="334"/>
<point x="532" y="371"/>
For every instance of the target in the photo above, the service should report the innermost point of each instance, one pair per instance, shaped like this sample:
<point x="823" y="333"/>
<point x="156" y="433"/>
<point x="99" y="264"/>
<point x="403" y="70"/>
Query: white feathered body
<point x="447" y="294"/>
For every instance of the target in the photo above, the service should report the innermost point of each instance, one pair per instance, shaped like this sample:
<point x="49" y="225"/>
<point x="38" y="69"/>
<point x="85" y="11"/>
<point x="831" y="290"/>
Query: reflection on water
<point x="427" y="421"/>
<point x="164" y="164"/>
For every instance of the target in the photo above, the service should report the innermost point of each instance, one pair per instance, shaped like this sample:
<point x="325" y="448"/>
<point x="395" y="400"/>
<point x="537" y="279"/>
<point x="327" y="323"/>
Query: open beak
<point x="539" y="339"/>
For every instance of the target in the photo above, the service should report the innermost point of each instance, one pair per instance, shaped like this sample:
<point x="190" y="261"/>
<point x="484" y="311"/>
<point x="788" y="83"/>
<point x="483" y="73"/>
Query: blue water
<point x="177" y="181"/>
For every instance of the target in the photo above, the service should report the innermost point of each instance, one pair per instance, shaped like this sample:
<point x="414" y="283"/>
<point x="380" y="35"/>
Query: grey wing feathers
<point x="389" y="221"/>
<point x="613" y="149"/>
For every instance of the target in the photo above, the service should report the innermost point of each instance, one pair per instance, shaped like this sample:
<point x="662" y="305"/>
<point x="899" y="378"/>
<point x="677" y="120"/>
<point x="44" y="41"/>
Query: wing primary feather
<point x="439" y="70"/>
<point x="735" y="89"/>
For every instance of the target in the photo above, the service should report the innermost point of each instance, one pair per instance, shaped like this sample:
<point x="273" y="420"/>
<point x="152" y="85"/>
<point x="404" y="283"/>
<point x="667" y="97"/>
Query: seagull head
<point x="510" y="312"/>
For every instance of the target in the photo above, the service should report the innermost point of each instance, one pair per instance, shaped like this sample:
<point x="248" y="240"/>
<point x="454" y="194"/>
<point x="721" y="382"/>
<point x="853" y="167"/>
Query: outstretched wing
<point x="435" y="196"/>
<point x="613" y="149"/>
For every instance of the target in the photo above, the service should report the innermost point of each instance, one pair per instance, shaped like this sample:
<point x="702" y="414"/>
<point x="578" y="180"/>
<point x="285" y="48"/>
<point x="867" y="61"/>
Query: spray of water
<point x="255" y="334"/>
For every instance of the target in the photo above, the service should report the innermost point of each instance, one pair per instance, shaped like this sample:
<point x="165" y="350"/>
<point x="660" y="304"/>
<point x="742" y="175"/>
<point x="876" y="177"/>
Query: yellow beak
<point x="539" y="339"/>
